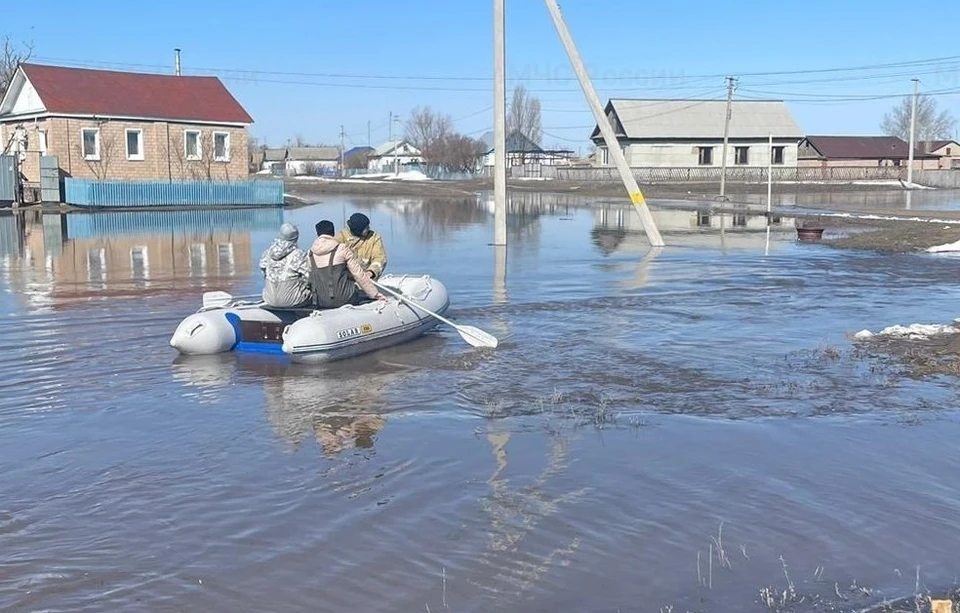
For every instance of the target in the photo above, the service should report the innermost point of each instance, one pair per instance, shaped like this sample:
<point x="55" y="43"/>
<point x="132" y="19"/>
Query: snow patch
<point x="949" y="247"/>
<point x="911" y="332"/>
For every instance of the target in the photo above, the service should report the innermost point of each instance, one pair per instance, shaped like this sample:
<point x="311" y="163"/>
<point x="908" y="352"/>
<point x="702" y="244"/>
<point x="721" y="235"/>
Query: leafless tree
<point x="100" y="167"/>
<point x="424" y="128"/>
<point x="11" y="56"/>
<point x="457" y="153"/>
<point x="523" y="115"/>
<point x="932" y="123"/>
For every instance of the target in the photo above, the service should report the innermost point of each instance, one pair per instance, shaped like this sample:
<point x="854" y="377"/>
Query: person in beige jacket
<point x="335" y="272"/>
<point x="367" y="244"/>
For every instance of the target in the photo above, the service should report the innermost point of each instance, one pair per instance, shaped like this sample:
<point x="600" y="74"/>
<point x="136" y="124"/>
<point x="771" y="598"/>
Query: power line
<point x="251" y="72"/>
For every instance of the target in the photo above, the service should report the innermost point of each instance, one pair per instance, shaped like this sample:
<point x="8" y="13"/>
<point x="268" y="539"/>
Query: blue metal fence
<point x="82" y="192"/>
<point x="203" y="221"/>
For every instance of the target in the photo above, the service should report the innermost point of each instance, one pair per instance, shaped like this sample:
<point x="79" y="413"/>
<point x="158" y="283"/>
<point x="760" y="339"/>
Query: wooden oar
<point x="474" y="336"/>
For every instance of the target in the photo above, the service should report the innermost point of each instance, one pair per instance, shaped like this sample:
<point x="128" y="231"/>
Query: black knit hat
<point x="324" y="227"/>
<point x="358" y="223"/>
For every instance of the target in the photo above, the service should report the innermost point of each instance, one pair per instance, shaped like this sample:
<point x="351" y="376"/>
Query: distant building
<point x="689" y="133"/>
<point x="947" y="150"/>
<point x="394" y="156"/>
<point x="357" y="157"/>
<point x="312" y="161"/>
<point x="521" y="150"/>
<point x="861" y="151"/>
<point x="104" y="124"/>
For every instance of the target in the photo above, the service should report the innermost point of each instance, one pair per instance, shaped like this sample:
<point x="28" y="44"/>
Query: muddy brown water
<point x="682" y="429"/>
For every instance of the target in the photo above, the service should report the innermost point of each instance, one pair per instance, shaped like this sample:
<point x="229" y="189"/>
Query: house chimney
<point x="177" y="61"/>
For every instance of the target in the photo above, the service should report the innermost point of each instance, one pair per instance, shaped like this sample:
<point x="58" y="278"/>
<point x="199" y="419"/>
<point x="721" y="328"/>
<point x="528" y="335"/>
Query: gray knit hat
<point x="289" y="232"/>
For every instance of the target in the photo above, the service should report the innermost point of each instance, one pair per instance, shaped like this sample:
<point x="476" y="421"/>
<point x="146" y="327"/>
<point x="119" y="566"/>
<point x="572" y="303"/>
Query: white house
<point x="388" y="156"/>
<point x="313" y="161"/>
<point x="689" y="133"/>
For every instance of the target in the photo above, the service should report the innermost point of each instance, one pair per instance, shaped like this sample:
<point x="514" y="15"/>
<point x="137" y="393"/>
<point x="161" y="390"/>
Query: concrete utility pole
<point x="499" y="128"/>
<point x="341" y="150"/>
<point x="609" y="138"/>
<point x="396" y="149"/>
<point x="731" y="84"/>
<point x="389" y="134"/>
<point x="770" y="180"/>
<point x="913" y="129"/>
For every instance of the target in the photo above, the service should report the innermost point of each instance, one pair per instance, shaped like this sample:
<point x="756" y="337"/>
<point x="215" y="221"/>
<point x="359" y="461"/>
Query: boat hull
<point x="350" y="331"/>
<point x="314" y="336"/>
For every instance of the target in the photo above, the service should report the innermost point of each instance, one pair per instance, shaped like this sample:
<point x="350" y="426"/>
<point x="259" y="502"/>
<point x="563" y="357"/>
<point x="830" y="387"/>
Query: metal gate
<point x="8" y="178"/>
<point x="50" y="179"/>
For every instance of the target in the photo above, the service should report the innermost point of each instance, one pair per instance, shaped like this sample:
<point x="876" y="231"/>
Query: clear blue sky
<point x="306" y="68"/>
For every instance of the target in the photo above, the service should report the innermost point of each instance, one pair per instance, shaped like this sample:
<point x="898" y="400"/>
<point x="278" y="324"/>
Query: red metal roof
<point x="109" y="93"/>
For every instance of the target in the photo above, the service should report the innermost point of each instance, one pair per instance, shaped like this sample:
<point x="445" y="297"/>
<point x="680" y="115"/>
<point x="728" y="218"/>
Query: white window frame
<point x="226" y="147"/>
<point x="126" y="143"/>
<point x="201" y="250"/>
<point x="186" y="150"/>
<point x="231" y="263"/>
<point x="42" y="140"/>
<point x="83" y="143"/>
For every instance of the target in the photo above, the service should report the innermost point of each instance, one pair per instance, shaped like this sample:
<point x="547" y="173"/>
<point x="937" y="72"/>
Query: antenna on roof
<point x="176" y="61"/>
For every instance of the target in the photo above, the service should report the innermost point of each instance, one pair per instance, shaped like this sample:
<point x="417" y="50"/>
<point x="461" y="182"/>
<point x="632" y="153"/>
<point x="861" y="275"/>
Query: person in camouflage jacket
<point x="286" y="271"/>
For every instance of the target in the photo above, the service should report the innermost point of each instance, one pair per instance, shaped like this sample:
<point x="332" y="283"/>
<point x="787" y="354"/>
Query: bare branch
<point x="11" y="56"/>
<point x="932" y="123"/>
<point x="523" y="115"/>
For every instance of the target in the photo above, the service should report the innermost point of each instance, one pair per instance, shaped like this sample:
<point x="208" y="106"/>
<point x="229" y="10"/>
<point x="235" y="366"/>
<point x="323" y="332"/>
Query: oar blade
<point x="477" y="337"/>
<point x="215" y="298"/>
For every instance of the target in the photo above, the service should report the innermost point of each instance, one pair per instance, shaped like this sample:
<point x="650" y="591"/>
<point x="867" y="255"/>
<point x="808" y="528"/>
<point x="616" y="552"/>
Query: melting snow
<point x="945" y="248"/>
<point x="912" y="332"/>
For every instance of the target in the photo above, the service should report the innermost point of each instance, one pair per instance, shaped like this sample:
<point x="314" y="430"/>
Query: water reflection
<point x="618" y="229"/>
<point x="333" y="406"/>
<point x="53" y="258"/>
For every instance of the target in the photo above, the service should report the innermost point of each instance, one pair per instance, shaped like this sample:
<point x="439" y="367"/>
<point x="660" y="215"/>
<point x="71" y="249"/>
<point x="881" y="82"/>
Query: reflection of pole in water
<point x="500" y="274"/>
<point x="909" y="198"/>
<point x="766" y="248"/>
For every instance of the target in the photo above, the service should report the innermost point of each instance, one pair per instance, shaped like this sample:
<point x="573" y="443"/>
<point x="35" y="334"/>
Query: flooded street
<point x="685" y="429"/>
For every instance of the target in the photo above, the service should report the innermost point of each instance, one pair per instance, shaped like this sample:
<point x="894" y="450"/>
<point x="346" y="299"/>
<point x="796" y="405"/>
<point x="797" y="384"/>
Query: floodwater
<point x="681" y="429"/>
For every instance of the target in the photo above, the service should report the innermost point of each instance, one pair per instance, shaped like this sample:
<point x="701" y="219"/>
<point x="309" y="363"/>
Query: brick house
<point x="861" y="151"/>
<point x="111" y="125"/>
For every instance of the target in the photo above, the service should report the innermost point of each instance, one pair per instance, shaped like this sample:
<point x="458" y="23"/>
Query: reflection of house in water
<point x="619" y="229"/>
<point x="122" y="253"/>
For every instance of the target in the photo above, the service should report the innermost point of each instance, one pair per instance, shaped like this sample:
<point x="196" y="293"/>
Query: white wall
<point x="686" y="155"/>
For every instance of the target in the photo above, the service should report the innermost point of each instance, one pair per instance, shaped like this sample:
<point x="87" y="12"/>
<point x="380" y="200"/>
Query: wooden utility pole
<point x="499" y="128"/>
<point x="609" y="138"/>
<point x="913" y="130"/>
<point x="731" y="84"/>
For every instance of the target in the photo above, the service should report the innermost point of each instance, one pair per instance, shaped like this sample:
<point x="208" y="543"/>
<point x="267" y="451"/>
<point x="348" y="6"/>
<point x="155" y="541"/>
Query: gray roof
<point x="274" y="155"/>
<point x="516" y="142"/>
<point x="306" y="154"/>
<point x="698" y="119"/>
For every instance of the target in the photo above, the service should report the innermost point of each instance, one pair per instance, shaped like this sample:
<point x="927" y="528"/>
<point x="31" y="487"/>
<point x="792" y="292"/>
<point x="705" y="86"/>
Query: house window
<point x="948" y="150"/>
<point x="740" y="155"/>
<point x="221" y="146"/>
<point x="139" y="262"/>
<point x="90" y="143"/>
<point x="134" y="144"/>
<point x="191" y="144"/>
<point x="776" y="155"/>
<point x="740" y="221"/>
<point x="703" y="219"/>
<point x="42" y="142"/>
<point x="705" y="157"/>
